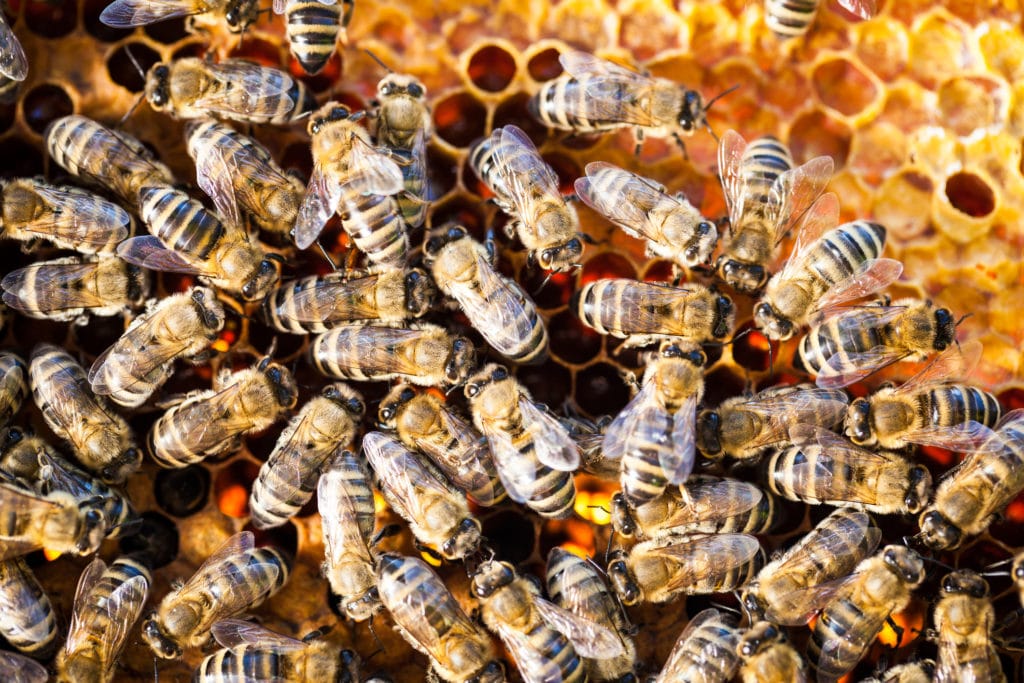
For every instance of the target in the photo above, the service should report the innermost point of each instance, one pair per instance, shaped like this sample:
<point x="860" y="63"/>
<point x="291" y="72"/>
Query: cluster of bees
<point x="687" y="533"/>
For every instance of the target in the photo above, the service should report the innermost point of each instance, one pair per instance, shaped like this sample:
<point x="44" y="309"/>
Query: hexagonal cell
<point x="51" y="19"/>
<point x="123" y="69"/>
<point x="167" y="32"/>
<point x="939" y="48"/>
<point x="648" y="27"/>
<point x="876" y="151"/>
<point x="43" y="104"/>
<point x="491" y="67"/>
<point x="1003" y="48"/>
<point x="231" y="488"/>
<point x="600" y="390"/>
<point x="971" y="103"/>
<point x="903" y="203"/>
<point x="815" y="133"/>
<point x="845" y="86"/>
<point x="97" y="29"/>
<point x="544" y="65"/>
<point x="459" y="119"/>
<point x="606" y="265"/>
<point x="883" y="46"/>
<point x="511" y="534"/>
<point x="964" y="210"/>
<point x="513" y="110"/>
<point x="571" y="340"/>
<point x="549" y="383"/>
<point x="20" y="159"/>
<point x="183" y="492"/>
<point x="156" y="540"/>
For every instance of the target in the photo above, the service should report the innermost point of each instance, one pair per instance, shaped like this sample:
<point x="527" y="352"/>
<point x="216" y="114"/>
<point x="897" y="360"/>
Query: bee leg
<point x="346" y="15"/>
<point x="327" y="257"/>
<point x="639" y="141"/>
<point x="386" y="532"/>
<point x="896" y="628"/>
<point x="427" y="550"/>
<point x="491" y="247"/>
<point x="682" y="146"/>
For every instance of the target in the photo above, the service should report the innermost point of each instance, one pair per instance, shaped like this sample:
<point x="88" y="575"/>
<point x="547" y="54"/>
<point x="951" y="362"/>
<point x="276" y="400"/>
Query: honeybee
<point x="73" y="288"/>
<point x="595" y="95"/>
<point x="103" y="157"/>
<point x="319" y="302"/>
<point x="701" y="504"/>
<point x="236" y="577"/>
<point x="800" y="581"/>
<point x="672" y="227"/>
<point x="239" y="174"/>
<point x="13" y="63"/>
<point x="929" y="408"/>
<point x="913" y="672"/>
<point x="437" y="512"/>
<point x="54" y="473"/>
<point x="881" y="585"/>
<point x="313" y="28"/>
<point x="964" y="618"/>
<point x="969" y="498"/>
<point x="828" y="266"/>
<point x="768" y="658"/>
<point x="589" y="436"/>
<point x="793" y="18"/>
<point x="68" y="217"/>
<point x="238" y="14"/>
<point x="545" y="640"/>
<point x="347" y="516"/>
<point x="423" y="354"/>
<point x="100" y="438"/>
<point x="189" y="239"/>
<point x="851" y="346"/>
<point x="58" y="522"/>
<point x="253" y="653"/>
<point x="424" y="423"/>
<point x="826" y="469"/>
<point x="647" y="312"/>
<point x="352" y="177"/>
<point x="654" y="435"/>
<point x="432" y="621"/>
<point x="27" y="621"/>
<point x="235" y="89"/>
<point x="404" y="127"/>
<point x="496" y="306"/>
<point x="744" y="427"/>
<point x="13" y="385"/>
<point x="534" y="455"/>
<point x="18" y="669"/>
<point x="765" y="196"/>
<point x="526" y="188"/>
<point x="578" y="585"/>
<point x="108" y="602"/>
<point x="705" y="652"/>
<point x="142" y="359"/>
<point x="19" y="455"/>
<point x="663" y="568"/>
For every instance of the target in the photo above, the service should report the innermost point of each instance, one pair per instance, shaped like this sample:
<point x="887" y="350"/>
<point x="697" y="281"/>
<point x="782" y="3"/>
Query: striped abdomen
<point x="552" y="646"/>
<point x="827" y="339"/>
<point x="841" y="252"/>
<point x="13" y="385"/>
<point x="181" y="223"/>
<point x="848" y="628"/>
<point x="483" y="162"/>
<point x="312" y="29"/>
<point x="319" y="302"/>
<point x="26" y="616"/>
<point x="562" y="104"/>
<point x="764" y="160"/>
<point x="642" y="477"/>
<point x="790" y="18"/>
<point x="708" y="654"/>
<point x="956" y="404"/>
<point x="375" y="225"/>
<point x="554" y="491"/>
<point x="170" y="440"/>
<point x="66" y="288"/>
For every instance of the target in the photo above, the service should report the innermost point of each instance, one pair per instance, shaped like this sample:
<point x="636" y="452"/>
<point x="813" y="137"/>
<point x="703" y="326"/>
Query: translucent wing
<point x="731" y="148"/>
<point x="679" y="651"/>
<point x="55" y="475"/>
<point x="817" y="476"/>
<point x="822" y="217"/>
<point x="114" y="617"/>
<point x="627" y="207"/>
<point x="613" y="93"/>
<point x="830" y="542"/>
<point x="24" y="508"/>
<point x="711" y="499"/>
<point x="264" y="85"/>
<point x="68" y="400"/>
<point x="126" y="13"/>
<point x="955" y="363"/>
<point x="643" y="418"/>
<point x="234" y="632"/>
<point x="281" y="6"/>
<point x="551" y="443"/>
<point x="216" y="171"/>
<point x="869" y="277"/>
<point x="677" y="462"/>
<point x="372" y="172"/>
<point x="40" y="279"/>
<point x="794" y="191"/>
<point x="783" y="410"/>
<point x="466" y="457"/>
<point x="320" y="203"/>
<point x="534" y="667"/>
<point x="78" y="629"/>
<point x="405" y="476"/>
<point x="241" y="542"/>
<point x="342" y="533"/>
<point x="588" y="637"/>
<point x="334" y="299"/>
<point x="716" y="554"/>
<point x="842" y="370"/>
<point x="147" y="251"/>
<point x="13" y="62"/>
<point x="516" y="471"/>
<point x="215" y="419"/>
<point x="967" y="436"/>
<point x="16" y="668"/>
<point x="241" y="585"/>
<point x="796" y="608"/>
<point x="865" y="9"/>
<point x="92" y="223"/>
<point x="523" y="172"/>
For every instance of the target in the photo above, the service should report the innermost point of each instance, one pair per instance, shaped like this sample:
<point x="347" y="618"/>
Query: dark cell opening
<point x="98" y="334"/>
<point x="461" y="211"/>
<point x="167" y="32"/>
<point x="511" y="535"/>
<point x="544" y="65"/>
<point x="970" y="195"/>
<point x="8" y="111"/>
<point x="43" y="104"/>
<point x="513" y="110"/>
<point x="96" y="28"/>
<point x="183" y="492"/>
<point x="443" y="173"/>
<point x="156" y="541"/>
<point x="30" y="332"/>
<point x="752" y="350"/>
<point x="567" y="171"/>
<point x="231" y="488"/>
<point x="189" y="50"/>
<point x="600" y="390"/>
<point x="284" y="538"/>
<point x="721" y="384"/>
<point x="460" y="119"/>
<point x="52" y="18"/>
<point x="571" y="340"/>
<point x="549" y="383"/>
<point x="605" y="266"/>
<point x="843" y="86"/>
<point x="124" y="72"/>
<point x="547" y="289"/>
<point x="20" y="159"/>
<point x="491" y="68"/>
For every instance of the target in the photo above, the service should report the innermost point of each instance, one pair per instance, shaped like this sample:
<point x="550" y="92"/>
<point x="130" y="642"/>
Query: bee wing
<point x="590" y="639"/>
<point x="126" y="13"/>
<point x="235" y="545"/>
<point x="404" y="474"/>
<point x="709" y="553"/>
<point x="955" y="363"/>
<point x="56" y="476"/>
<point x="92" y="223"/>
<point x="604" y="83"/>
<point x="325" y="302"/>
<point x="825" y="406"/>
<point x="793" y="191"/>
<point x="796" y="608"/>
<point x="216" y="418"/>
<point x="516" y="471"/>
<point x="216" y="171"/>
<point x="840" y="449"/>
<point x="281" y="6"/>
<point x="869" y="277"/>
<point x="147" y="251"/>
<point x="730" y="170"/>
<point x="714" y="500"/>
<point x="44" y="278"/>
<point x="643" y="414"/>
<point x="865" y="9"/>
<point x="698" y="620"/>
<point x="967" y="436"/>
<point x="677" y="462"/>
<point x="22" y="505"/>
<point x="373" y="172"/>
<point x="819" y="219"/>
<point x="534" y="667"/>
<point x="16" y="668"/>
<point x="70" y="398"/>
<point x="506" y="309"/>
<point x="235" y="632"/>
<point x="842" y="370"/>
<point x="115" y="619"/>
<point x="625" y="207"/>
<point x="323" y="195"/>
<point x="526" y="175"/>
<point x="552" y="444"/>
<point x="77" y="629"/>
<point x="239" y="74"/>
<point x="472" y="463"/>
<point x="15" y="63"/>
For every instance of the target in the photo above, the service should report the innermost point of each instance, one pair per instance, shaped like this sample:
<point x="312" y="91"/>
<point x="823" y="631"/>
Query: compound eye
<point x="472" y="390"/>
<point x="356" y="406"/>
<point x="499" y="374"/>
<point x="415" y="89"/>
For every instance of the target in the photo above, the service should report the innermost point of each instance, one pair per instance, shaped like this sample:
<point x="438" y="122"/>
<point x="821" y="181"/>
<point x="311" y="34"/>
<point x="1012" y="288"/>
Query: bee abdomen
<point x="790" y="18"/>
<point x="27" y="620"/>
<point x="838" y="624"/>
<point x="848" y="246"/>
<point x="643" y="478"/>
<point x="13" y="385"/>
<point x="556" y="105"/>
<point x="275" y="498"/>
<point x="312" y="29"/>
<point x="243" y="663"/>
<point x="375" y="225"/>
<point x="555" y="647"/>
<point x="764" y="160"/>
<point x="181" y="222"/>
<point x="958" y="403"/>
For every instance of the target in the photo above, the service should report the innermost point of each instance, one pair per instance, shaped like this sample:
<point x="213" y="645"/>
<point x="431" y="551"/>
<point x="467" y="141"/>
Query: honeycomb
<point x="922" y="108"/>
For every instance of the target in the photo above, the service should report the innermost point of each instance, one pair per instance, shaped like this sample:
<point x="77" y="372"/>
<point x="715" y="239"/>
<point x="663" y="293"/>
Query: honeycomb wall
<point x="922" y="108"/>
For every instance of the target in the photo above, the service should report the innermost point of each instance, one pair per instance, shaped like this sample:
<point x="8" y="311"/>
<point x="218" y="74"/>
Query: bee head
<point x="210" y="313"/>
<point x="937" y="532"/>
<point x="919" y="489"/>
<point x="262" y="281"/>
<point x="365" y="606"/>
<point x="709" y="424"/>
<point x="239" y="14"/>
<point x="118" y="469"/>
<point x="622" y="516"/>
<point x="945" y="328"/>
<point x="349" y="400"/>
<point x="694" y="355"/>
<point x="965" y="582"/>
<point x="154" y="636"/>
<point x="494" y="672"/>
<point x="725" y="317"/>
<point x="752" y="602"/>
<point x="435" y="244"/>
<point x="622" y="578"/>
<point x="743" y="277"/>
<point x="464" y="541"/>
<point x="858" y="423"/>
<point x="158" y="86"/>
<point x="771" y="323"/>
<point x="490" y="374"/>
<point x="286" y="391"/>
<point x="490" y="576"/>
<point x="333" y="113"/>
<point x="461" y="361"/>
<point x="562" y="257"/>
<point x="420" y="292"/>
<point x="397" y="84"/>
<point x="760" y="636"/>
<point x="905" y="563"/>
<point x="393" y="402"/>
<point x="692" y="114"/>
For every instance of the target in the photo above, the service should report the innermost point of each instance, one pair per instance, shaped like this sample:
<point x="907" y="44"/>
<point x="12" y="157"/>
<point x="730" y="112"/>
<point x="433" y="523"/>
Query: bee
<point x="793" y="18"/>
<point x="496" y="306"/>
<point x="239" y="174"/>
<point x="663" y="568"/>
<point x="964" y="618"/>
<point x="58" y="522"/>
<point x="578" y="585"/>
<point x="913" y="672"/>
<point x="826" y="469"/>
<point x="18" y="669"/>
<point x="744" y="427"/>
<point x="189" y="239"/>
<point x="595" y="96"/>
<point x="100" y="438"/>
<point x="827" y="267"/>
<point x="526" y="188"/>
<point x="235" y="89"/>
<point x="928" y="409"/>
<point x="13" y="63"/>
<point x="27" y="621"/>
<point x="431" y="620"/>
<point x="970" y="497"/>
<point x="647" y="312"/>
<point x="545" y="640"/>
<point x="105" y="158"/>
<point x="768" y="658"/>
<point x="237" y="14"/>
<point x="13" y="385"/>
<point x="672" y="227"/>
<point x="589" y="436"/>
<point x="437" y="512"/>
<point x="423" y="354"/>
<point x="319" y="302"/>
<point x="765" y="196"/>
<point x="253" y="653"/>
<point x="54" y="473"/>
<point x="313" y="28"/>
<point x="534" y="455"/>
<point x="142" y="359"/>
<point x="404" y="127"/>
<point x="357" y="180"/>
<point x="211" y="422"/>
<point x="653" y="437"/>
<point x="851" y="346"/>
<point x="705" y="651"/>
<point x="423" y="422"/>
<point x="69" y="218"/>
<point x="235" y="578"/>
<point x="347" y="516"/>
<point x="108" y="602"/>
<point x="288" y="478"/>
<point x="881" y="585"/>
<point x="799" y="582"/>
<point x="701" y="504"/>
<point x="73" y="288"/>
